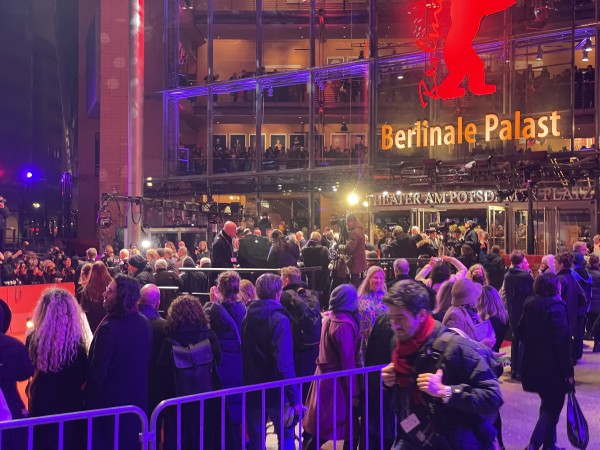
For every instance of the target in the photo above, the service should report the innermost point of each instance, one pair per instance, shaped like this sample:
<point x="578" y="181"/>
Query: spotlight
<point x="366" y="204"/>
<point x="587" y="46"/>
<point x="385" y="193"/>
<point x="145" y="243"/>
<point x="585" y="56"/>
<point x="36" y="205"/>
<point x="400" y="74"/>
<point x="353" y="198"/>
<point x="540" y="53"/>
<point x="29" y="174"/>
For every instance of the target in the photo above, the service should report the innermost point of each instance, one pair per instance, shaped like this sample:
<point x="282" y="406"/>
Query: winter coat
<point x="518" y="285"/>
<point x="93" y="308"/>
<point x="496" y="268"/>
<point x="585" y="294"/>
<point x="544" y="331"/>
<point x="222" y="251"/>
<point x="118" y="374"/>
<point x="284" y="257"/>
<point x="569" y="292"/>
<point x="315" y="255"/>
<point x="466" y="419"/>
<point x="459" y="317"/>
<point x="165" y="277"/>
<point x="157" y="378"/>
<point x="355" y="249"/>
<point x="472" y="240"/>
<point x="595" y="305"/>
<point x="401" y="247"/>
<point x="267" y="351"/>
<point x="340" y="341"/>
<point x="144" y="276"/>
<point x="253" y="252"/>
<point x="14" y="366"/>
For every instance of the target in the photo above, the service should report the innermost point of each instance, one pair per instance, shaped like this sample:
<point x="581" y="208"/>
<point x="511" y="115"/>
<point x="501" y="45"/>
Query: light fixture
<point x="587" y="45"/>
<point x="585" y="56"/>
<point x="540" y="53"/>
<point x="385" y="193"/>
<point x="146" y="243"/>
<point x="366" y="204"/>
<point x="400" y="74"/>
<point x="36" y="205"/>
<point x="353" y="199"/>
<point x="270" y="92"/>
<point x="344" y="127"/>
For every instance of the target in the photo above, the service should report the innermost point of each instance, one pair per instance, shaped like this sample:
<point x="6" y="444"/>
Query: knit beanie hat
<point x="465" y="292"/>
<point x="137" y="261"/>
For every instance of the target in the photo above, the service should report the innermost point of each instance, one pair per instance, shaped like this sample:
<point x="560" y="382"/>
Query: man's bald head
<point x="230" y="228"/>
<point x="401" y="266"/>
<point x="150" y="295"/>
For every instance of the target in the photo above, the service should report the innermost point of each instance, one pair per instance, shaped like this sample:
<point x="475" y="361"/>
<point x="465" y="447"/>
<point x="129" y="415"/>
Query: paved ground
<point x="520" y="410"/>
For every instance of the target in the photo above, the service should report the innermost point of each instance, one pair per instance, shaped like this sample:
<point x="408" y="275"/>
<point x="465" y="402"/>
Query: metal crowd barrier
<point x="60" y="420"/>
<point x="348" y="376"/>
<point x="150" y="433"/>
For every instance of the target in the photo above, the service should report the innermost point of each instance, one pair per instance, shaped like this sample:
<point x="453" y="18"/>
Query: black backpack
<point x="193" y="367"/>
<point x="305" y="313"/>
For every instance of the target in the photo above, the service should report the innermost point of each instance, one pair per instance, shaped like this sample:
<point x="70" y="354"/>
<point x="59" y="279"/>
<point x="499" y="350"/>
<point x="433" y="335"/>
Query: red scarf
<point x="407" y="348"/>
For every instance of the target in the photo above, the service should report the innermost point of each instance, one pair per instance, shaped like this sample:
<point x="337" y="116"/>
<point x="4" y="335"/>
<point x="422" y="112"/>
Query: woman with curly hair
<point x="57" y="348"/>
<point x="478" y="274"/>
<point x="187" y="325"/>
<point x="92" y="296"/>
<point x="370" y="305"/>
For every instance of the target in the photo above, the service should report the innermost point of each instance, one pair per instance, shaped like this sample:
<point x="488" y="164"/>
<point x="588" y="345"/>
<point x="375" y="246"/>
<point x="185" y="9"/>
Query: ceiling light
<point x="540" y="53"/>
<point x="587" y="46"/>
<point x="585" y="56"/>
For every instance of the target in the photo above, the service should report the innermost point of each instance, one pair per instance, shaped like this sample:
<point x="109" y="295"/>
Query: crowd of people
<point x="122" y="340"/>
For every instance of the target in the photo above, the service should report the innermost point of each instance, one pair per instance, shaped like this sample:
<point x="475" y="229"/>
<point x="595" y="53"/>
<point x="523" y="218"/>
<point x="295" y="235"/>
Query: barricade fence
<point x="343" y="406"/>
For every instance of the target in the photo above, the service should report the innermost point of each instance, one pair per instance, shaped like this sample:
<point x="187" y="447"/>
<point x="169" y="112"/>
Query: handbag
<point x="577" y="426"/>
<point x="4" y="411"/>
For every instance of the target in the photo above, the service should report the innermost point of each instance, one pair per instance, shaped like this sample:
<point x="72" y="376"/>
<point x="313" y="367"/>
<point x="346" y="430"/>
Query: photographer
<point x="68" y="272"/>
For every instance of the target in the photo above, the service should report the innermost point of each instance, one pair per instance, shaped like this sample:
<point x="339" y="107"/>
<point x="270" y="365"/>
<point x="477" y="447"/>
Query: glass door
<point x="497" y="226"/>
<point x="572" y="225"/>
<point x="427" y="216"/>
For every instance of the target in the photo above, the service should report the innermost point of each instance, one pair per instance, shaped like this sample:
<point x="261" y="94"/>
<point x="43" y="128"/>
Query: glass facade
<point x="343" y="92"/>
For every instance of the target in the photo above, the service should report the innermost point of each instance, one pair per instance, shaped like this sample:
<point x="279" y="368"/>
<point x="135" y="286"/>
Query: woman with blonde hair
<point x="370" y="304"/>
<point x="247" y="292"/>
<point x="491" y="307"/>
<point x="478" y="274"/>
<point x="547" y="265"/>
<point x="57" y="349"/>
<point x="92" y="296"/>
<point x="443" y="300"/>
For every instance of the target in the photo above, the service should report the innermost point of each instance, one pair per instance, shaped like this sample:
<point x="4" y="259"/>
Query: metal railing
<point x="342" y="383"/>
<point x="60" y="420"/>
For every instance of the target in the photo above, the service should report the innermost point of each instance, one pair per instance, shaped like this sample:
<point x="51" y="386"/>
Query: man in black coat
<point x="148" y="307"/>
<point x="584" y="280"/>
<point x="138" y="267"/>
<point x="4" y="213"/>
<point x="194" y="281"/>
<point x="518" y="285"/>
<point x="166" y="278"/>
<point x="495" y="267"/>
<point x="267" y="355"/>
<point x="547" y="367"/>
<point x="456" y="385"/>
<point x="14" y="366"/>
<point x="119" y="357"/>
<point x="471" y="238"/>
<point x="401" y="246"/>
<point x="570" y="293"/>
<point x="401" y="270"/>
<point x="253" y="251"/>
<point x="315" y="255"/>
<point x="223" y="254"/>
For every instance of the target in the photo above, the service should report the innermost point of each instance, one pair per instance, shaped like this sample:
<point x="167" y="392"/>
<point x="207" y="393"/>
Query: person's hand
<point x="489" y="341"/>
<point x="215" y="297"/>
<point x="571" y="384"/>
<point x="431" y="383"/>
<point x="388" y="375"/>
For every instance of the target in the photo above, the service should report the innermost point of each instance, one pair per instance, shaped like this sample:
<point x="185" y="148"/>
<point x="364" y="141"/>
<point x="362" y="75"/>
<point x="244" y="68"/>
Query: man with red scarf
<point x="445" y="392"/>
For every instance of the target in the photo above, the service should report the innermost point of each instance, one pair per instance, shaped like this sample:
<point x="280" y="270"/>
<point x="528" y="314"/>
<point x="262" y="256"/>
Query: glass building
<point x="340" y="93"/>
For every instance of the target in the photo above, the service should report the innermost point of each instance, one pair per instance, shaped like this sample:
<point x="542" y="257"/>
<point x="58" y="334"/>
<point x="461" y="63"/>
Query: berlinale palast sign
<point x="424" y="135"/>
